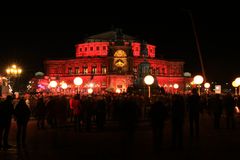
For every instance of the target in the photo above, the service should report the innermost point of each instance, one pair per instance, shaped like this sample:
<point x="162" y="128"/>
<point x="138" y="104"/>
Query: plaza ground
<point x="66" y="144"/>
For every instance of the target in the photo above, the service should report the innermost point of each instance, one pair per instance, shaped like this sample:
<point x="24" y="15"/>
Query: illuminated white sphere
<point x="53" y="84"/>
<point x="118" y="90"/>
<point x="90" y="90"/>
<point x="175" y="86"/>
<point x="148" y="80"/>
<point x="198" y="79"/>
<point x="78" y="81"/>
<point x="192" y="83"/>
<point x="234" y="84"/>
<point x="207" y="85"/>
<point x="237" y="80"/>
<point x="91" y="85"/>
<point x="64" y="85"/>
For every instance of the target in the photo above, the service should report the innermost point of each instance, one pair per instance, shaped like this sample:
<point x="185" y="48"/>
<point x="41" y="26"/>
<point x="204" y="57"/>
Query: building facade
<point x="114" y="61"/>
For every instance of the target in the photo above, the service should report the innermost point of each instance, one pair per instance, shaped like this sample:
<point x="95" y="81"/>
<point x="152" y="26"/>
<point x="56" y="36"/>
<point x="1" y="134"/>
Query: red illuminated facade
<point x="111" y="61"/>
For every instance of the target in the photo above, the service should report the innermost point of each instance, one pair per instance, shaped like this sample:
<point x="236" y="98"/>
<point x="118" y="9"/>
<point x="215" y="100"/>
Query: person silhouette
<point x="193" y="107"/>
<point x="22" y="115"/>
<point x="6" y="112"/>
<point x="158" y="114"/>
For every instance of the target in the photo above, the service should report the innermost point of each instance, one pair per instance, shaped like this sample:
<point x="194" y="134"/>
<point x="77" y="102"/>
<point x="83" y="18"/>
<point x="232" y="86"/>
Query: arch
<point x="120" y="53"/>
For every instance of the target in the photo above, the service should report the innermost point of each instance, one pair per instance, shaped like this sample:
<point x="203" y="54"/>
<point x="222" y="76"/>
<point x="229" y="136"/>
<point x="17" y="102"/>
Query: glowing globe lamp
<point x="53" y="84"/>
<point x="175" y="86"/>
<point x="90" y="90"/>
<point x="78" y="81"/>
<point x="198" y="79"/>
<point x="148" y="80"/>
<point x="64" y="85"/>
<point x="207" y="85"/>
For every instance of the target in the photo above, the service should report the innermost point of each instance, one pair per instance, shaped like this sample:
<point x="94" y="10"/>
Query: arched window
<point x="94" y="69"/>
<point x="104" y="70"/>
<point x="76" y="70"/>
<point x="85" y="70"/>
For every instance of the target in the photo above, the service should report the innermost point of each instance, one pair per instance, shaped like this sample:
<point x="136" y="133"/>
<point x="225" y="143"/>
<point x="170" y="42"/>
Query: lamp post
<point x="53" y="84"/>
<point x="148" y="80"/>
<point x="237" y="80"/>
<point x="207" y="86"/>
<point x="64" y="86"/>
<point x="13" y="71"/>
<point x="198" y="80"/>
<point x="234" y="84"/>
<point x="176" y="86"/>
<point x="78" y="81"/>
<point x="90" y="90"/>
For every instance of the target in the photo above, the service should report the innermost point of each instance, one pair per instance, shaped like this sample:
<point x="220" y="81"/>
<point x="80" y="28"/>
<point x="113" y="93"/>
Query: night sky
<point x="29" y="40"/>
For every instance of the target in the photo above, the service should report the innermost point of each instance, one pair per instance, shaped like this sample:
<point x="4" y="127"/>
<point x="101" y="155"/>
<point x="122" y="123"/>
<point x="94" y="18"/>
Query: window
<point x="163" y="70"/>
<point x="85" y="49"/>
<point x="76" y="70"/>
<point x="104" y="47"/>
<point x="91" y="48"/>
<point x="80" y="49"/>
<point x="69" y="70"/>
<point x="94" y="69"/>
<point x="157" y="71"/>
<point x="85" y="70"/>
<point x="97" y="48"/>
<point x="173" y="70"/>
<point x="104" y="69"/>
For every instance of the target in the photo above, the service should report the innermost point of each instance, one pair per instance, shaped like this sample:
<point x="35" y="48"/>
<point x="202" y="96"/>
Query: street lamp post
<point x="13" y="71"/>
<point x="207" y="86"/>
<point x="235" y="85"/>
<point x="237" y="80"/>
<point x="78" y="81"/>
<point x="90" y="90"/>
<point x="148" y="80"/>
<point x="198" y="80"/>
<point x="176" y="86"/>
<point x="64" y="86"/>
<point x="53" y="84"/>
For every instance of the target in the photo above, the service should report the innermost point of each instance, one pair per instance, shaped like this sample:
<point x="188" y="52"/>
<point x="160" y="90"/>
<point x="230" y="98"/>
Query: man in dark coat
<point x="6" y="112"/>
<point x="194" y="109"/>
<point x="22" y="114"/>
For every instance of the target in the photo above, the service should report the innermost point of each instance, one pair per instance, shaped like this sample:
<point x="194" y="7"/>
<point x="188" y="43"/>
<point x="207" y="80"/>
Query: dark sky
<point x="28" y="40"/>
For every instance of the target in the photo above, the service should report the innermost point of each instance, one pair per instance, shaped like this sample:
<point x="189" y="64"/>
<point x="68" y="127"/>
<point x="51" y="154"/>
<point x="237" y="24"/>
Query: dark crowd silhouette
<point x="90" y="113"/>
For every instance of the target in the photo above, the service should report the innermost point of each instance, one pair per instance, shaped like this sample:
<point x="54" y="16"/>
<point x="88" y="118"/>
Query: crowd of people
<point x="86" y="111"/>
